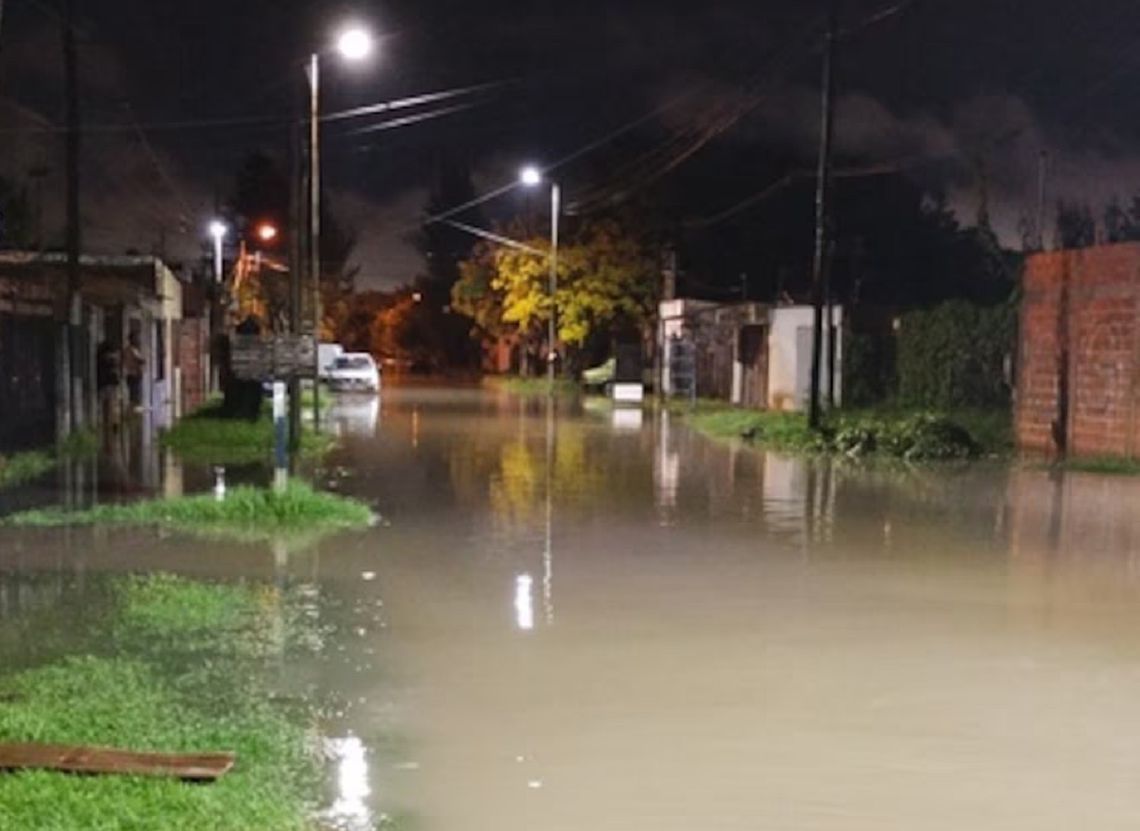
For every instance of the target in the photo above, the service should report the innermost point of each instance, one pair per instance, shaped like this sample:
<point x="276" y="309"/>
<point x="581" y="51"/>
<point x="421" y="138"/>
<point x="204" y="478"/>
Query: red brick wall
<point x="193" y="353"/>
<point x="1080" y="336"/>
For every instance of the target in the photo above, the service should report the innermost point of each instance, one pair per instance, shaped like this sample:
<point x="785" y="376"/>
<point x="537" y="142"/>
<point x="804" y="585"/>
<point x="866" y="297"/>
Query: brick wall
<point x="193" y="358"/>
<point x="1079" y="375"/>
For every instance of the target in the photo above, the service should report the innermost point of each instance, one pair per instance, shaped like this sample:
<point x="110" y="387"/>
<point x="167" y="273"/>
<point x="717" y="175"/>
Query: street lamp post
<point x="353" y="44"/>
<point x="218" y="233"/>
<point x="531" y="176"/>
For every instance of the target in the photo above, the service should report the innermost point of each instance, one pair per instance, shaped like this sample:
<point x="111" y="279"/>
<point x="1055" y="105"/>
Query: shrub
<point x="954" y="356"/>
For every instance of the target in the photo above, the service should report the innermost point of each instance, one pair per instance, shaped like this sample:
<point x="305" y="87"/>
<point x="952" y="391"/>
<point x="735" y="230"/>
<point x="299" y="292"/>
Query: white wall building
<point x="750" y="354"/>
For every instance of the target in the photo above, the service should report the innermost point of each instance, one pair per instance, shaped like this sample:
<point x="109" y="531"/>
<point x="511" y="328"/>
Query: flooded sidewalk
<point x="597" y="618"/>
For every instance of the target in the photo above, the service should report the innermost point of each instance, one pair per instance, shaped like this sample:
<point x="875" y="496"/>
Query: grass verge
<point x="23" y="467"/>
<point x="172" y="669"/>
<point x="19" y="468"/>
<point x="206" y="437"/>
<point x="247" y="513"/>
<point x="903" y="434"/>
<point x="1107" y="465"/>
<point x="530" y="386"/>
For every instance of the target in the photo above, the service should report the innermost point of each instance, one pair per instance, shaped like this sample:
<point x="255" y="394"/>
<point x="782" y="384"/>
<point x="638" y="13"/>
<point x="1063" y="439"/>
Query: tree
<point x="611" y="286"/>
<point x="261" y="194"/>
<point x="474" y="296"/>
<point x="1076" y="227"/>
<point x="607" y="286"/>
<point x="444" y="246"/>
<point x="1122" y="225"/>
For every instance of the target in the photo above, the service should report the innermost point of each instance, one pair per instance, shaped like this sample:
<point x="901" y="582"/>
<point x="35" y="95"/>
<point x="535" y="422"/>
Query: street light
<point x="530" y="176"/>
<point x="267" y="232"/>
<point x="353" y="44"/>
<point x="218" y="231"/>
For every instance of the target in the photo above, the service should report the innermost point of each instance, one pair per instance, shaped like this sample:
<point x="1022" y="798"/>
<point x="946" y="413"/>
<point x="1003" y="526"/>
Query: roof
<point x="95" y="260"/>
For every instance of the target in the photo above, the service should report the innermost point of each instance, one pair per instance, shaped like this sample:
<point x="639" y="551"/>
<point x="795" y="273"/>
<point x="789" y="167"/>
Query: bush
<point x="954" y="356"/>
<point x="911" y="436"/>
<point x="869" y="371"/>
<point x="928" y="437"/>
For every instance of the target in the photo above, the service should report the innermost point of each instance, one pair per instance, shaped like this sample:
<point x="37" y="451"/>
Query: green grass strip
<point x="24" y="467"/>
<point x="516" y="385"/>
<point x="246" y="512"/>
<point x="209" y="439"/>
<point x="164" y="676"/>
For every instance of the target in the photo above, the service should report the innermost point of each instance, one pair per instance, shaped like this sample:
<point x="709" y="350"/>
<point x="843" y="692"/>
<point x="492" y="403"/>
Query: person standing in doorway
<point x="107" y="383"/>
<point x="133" y="370"/>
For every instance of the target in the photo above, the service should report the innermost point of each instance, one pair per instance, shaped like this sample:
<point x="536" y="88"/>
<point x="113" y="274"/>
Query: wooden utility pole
<point x="822" y="215"/>
<point x="315" y="224"/>
<point x="829" y="305"/>
<point x="74" y="341"/>
<point x="296" y="266"/>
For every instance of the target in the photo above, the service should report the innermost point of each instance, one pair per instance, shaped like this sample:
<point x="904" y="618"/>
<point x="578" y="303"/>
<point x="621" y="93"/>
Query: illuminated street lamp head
<point x="267" y="232"/>
<point x="218" y="229"/>
<point x="530" y="176"/>
<point x="354" y="44"/>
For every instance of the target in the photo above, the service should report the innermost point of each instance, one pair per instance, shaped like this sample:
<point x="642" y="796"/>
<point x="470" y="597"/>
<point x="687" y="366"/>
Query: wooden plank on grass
<point x="195" y="767"/>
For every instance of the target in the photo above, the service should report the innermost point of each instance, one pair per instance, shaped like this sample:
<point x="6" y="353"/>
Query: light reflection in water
<point x="627" y="418"/>
<point x="524" y="603"/>
<point x="350" y="811"/>
<point x="354" y="415"/>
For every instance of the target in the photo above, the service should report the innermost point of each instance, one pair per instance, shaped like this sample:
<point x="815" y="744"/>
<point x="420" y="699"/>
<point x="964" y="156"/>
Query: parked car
<point x="354" y="372"/>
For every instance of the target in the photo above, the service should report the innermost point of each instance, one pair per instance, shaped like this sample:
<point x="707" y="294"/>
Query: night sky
<point x="946" y="89"/>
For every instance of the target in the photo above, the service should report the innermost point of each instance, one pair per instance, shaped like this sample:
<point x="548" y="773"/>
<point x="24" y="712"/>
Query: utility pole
<point x="1042" y="174"/>
<point x="315" y="223"/>
<point x="296" y="259"/>
<point x="552" y="325"/>
<point x="73" y="377"/>
<point x="822" y="216"/>
<point x="829" y="305"/>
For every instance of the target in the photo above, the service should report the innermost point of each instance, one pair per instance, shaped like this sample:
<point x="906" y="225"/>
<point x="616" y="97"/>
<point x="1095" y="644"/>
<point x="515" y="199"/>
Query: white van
<point x="354" y="372"/>
<point x="327" y="353"/>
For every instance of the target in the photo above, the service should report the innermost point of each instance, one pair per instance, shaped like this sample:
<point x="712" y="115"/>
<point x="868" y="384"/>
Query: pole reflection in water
<point x="666" y="470"/>
<point x="354" y="415"/>
<point x="524" y="602"/>
<point x="627" y="418"/>
<point x="350" y="811"/>
<point x="548" y="548"/>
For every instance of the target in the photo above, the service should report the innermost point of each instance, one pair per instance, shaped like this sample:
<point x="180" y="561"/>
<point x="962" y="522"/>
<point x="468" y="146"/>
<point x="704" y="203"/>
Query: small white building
<point x="751" y="354"/>
<point x="789" y="357"/>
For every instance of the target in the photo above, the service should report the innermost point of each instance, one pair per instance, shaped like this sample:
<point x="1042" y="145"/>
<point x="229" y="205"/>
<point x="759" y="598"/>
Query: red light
<point x="266" y="232"/>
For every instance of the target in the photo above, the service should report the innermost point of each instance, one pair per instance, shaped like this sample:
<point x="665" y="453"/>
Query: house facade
<point x="48" y="380"/>
<point x="749" y="354"/>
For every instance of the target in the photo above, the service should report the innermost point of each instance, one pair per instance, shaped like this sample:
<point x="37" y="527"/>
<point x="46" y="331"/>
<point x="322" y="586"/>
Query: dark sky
<point x="947" y="87"/>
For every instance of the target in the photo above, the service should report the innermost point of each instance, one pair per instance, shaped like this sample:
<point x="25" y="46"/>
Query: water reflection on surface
<point x="742" y="640"/>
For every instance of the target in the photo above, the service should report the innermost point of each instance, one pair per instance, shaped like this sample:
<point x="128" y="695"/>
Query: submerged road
<point x="596" y="619"/>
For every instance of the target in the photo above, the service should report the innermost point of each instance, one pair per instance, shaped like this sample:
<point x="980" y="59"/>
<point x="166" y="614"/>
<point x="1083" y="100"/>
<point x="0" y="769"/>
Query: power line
<point x="581" y="151"/>
<point x="267" y="121"/>
<point x="878" y="169"/>
<point x="411" y="119"/>
<point x="780" y="61"/>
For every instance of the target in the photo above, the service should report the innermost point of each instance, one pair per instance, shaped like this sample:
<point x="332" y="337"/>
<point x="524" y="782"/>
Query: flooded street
<point x="598" y="619"/>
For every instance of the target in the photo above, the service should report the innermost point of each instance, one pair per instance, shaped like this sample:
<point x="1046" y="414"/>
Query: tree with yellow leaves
<point x="607" y="282"/>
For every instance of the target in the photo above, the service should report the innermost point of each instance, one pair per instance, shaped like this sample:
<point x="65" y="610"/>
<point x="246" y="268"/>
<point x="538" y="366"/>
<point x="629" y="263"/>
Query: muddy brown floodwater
<point x="599" y="620"/>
